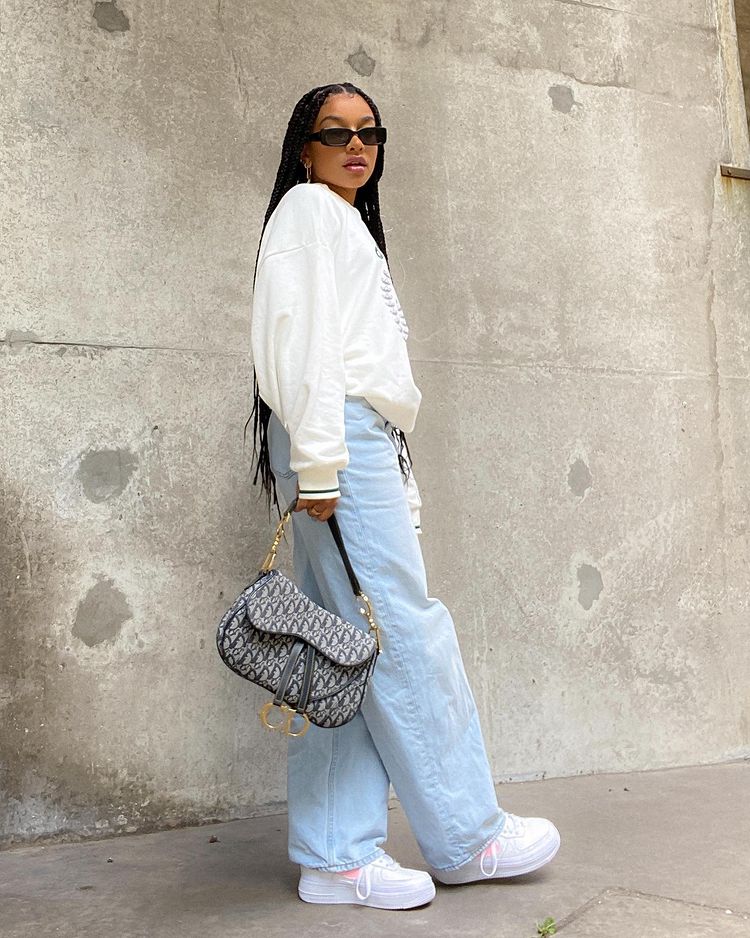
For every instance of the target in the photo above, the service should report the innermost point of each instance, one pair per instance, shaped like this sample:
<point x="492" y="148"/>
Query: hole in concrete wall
<point x="101" y="614"/>
<point x="104" y="473"/>
<point x="108" y="17"/>
<point x="361" y="62"/>
<point x="579" y="478"/>
<point x="742" y="13"/>
<point x="590" y="585"/>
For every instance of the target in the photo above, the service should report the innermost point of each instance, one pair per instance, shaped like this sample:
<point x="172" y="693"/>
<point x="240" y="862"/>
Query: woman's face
<point x="343" y="169"/>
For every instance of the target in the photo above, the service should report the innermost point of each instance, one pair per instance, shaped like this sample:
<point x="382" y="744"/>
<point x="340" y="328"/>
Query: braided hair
<point x="290" y="173"/>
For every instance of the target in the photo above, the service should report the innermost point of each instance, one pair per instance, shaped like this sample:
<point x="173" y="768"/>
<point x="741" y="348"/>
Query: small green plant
<point x="546" y="928"/>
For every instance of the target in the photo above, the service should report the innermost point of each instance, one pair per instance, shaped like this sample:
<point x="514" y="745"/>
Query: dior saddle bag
<point x="315" y="663"/>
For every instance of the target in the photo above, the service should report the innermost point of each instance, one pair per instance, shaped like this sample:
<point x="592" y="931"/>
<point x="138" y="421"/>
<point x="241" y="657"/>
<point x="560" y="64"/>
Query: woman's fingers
<point x="320" y="509"/>
<point x="325" y="513"/>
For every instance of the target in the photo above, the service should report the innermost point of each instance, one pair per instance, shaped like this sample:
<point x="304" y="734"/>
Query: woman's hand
<point x="321" y="508"/>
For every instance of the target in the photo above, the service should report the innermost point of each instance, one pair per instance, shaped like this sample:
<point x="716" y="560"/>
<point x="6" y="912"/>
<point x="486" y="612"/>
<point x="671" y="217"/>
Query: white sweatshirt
<point x="326" y="323"/>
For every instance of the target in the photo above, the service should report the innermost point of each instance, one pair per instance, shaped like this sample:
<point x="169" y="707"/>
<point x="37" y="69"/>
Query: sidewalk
<point x="660" y="854"/>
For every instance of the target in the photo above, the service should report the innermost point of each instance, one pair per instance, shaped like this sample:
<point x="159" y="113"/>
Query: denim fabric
<point x="418" y="727"/>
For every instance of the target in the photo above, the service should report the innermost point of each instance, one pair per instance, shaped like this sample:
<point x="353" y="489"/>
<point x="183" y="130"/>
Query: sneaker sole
<point x="341" y="894"/>
<point x="535" y="861"/>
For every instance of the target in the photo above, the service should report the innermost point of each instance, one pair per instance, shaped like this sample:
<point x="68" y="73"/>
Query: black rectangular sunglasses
<point x="340" y="136"/>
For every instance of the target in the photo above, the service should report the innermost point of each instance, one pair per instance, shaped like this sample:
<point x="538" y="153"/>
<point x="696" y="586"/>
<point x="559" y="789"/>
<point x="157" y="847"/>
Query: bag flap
<point x="275" y="605"/>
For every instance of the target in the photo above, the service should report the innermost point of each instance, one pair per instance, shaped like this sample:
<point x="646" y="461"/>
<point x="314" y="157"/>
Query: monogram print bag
<point x="315" y="664"/>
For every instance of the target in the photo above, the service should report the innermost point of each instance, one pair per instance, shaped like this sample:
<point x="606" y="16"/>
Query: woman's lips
<point x="355" y="168"/>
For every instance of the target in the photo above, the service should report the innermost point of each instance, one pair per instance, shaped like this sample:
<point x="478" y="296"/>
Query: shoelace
<point x="512" y="827"/>
<point x="491" y="851"/>
<point x="365" y="875"/>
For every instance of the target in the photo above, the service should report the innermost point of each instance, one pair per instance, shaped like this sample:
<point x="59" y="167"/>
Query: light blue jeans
<point x="418" y="726"/>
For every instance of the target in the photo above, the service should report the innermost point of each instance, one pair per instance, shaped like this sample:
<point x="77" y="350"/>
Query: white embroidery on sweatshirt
<point x="391" y="300"/>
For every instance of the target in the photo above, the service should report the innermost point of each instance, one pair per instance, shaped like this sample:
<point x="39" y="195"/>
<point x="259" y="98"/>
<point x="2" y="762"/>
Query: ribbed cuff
<point x="319" y="483"/>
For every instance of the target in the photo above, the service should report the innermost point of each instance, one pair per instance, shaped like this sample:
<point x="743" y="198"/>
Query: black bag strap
<point x="336" y="531"/>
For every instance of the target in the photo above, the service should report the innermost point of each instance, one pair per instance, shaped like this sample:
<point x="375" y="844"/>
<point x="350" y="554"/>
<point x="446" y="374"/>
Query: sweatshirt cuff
<point x="319" y="483"/>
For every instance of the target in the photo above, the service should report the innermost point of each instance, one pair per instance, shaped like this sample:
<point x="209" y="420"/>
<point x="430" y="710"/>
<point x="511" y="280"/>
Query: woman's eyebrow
<point x="335" y="117"/>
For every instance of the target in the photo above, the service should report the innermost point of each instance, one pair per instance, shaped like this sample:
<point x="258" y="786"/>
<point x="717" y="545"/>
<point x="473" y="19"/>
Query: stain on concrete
<point x="361" y="62"/>
<point x="590" y="585"/>
<point x="80" y="351"/>
<point x="108" y="17"/>
<point x="101" y="614"/>
<point x="17" y="339"/>
<point x="104" y="473"/>
<point x="562" y="98"/>
<point x="426" y="35"/>
<point x="579" y="478"/>
<point x="411" y="32"/>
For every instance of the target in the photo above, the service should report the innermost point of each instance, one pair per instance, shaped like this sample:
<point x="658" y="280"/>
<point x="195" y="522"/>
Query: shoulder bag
<point x="316" y="664"/>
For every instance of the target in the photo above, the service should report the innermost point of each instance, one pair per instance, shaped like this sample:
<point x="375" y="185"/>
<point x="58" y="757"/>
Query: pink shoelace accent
<point x="492" y="852"/>
<point x="513" y="827"/>
<point x="363" y="875"/>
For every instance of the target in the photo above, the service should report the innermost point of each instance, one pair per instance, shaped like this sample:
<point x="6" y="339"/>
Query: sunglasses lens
<point x="335" y="136"/>
<point x="372" y="135"/>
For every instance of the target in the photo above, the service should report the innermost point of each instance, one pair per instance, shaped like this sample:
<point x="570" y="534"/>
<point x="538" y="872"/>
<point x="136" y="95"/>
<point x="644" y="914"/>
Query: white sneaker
<point x="523" y="845"/>
<point x="382" y="884"/>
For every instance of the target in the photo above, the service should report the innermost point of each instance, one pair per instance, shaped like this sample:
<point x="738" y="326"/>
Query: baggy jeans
<point x="418" y="726"/>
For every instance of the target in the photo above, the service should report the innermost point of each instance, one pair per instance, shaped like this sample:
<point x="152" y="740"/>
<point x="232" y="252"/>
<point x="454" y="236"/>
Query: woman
<point x="334" y="395"/>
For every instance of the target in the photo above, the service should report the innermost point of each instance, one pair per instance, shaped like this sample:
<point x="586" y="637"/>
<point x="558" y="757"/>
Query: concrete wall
<point x="575" y="273"/>
<point x="742" y="18"/>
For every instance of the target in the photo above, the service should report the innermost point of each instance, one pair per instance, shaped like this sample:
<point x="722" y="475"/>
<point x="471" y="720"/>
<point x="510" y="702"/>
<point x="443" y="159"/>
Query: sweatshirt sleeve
<point x="415" y="502"/>
<point x="297" y="351"/>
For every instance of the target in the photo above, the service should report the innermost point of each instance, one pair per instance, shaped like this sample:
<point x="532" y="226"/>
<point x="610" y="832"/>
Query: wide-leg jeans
<point x="418" y="727"/>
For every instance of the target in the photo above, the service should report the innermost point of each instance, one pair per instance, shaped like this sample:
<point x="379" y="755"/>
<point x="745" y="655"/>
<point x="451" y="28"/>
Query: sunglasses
<point x="340" y="136"/>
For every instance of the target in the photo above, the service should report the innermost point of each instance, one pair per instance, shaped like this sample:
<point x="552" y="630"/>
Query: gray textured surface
<point x="621" y="913"/>
<point x="742" y="11"/>
<point x="575" y="274"/>
<point x="657" y="854"/>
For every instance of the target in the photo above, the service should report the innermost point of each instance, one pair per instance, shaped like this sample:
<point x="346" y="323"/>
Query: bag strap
<point x="336" y="531"/>
<point x="333" y="524"/>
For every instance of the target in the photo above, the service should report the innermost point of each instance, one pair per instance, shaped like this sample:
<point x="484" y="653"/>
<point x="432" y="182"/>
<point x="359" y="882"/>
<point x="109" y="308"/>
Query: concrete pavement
<point x="663" y="854"/>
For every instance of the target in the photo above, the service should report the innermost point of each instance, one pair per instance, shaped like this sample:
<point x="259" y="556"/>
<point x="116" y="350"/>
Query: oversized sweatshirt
<point x="326" y="323"/>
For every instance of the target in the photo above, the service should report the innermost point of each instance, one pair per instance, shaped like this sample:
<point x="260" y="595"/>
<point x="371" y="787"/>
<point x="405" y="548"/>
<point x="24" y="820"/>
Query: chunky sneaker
<point x="382" y="884"/>
<point x="523" y="845"/>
